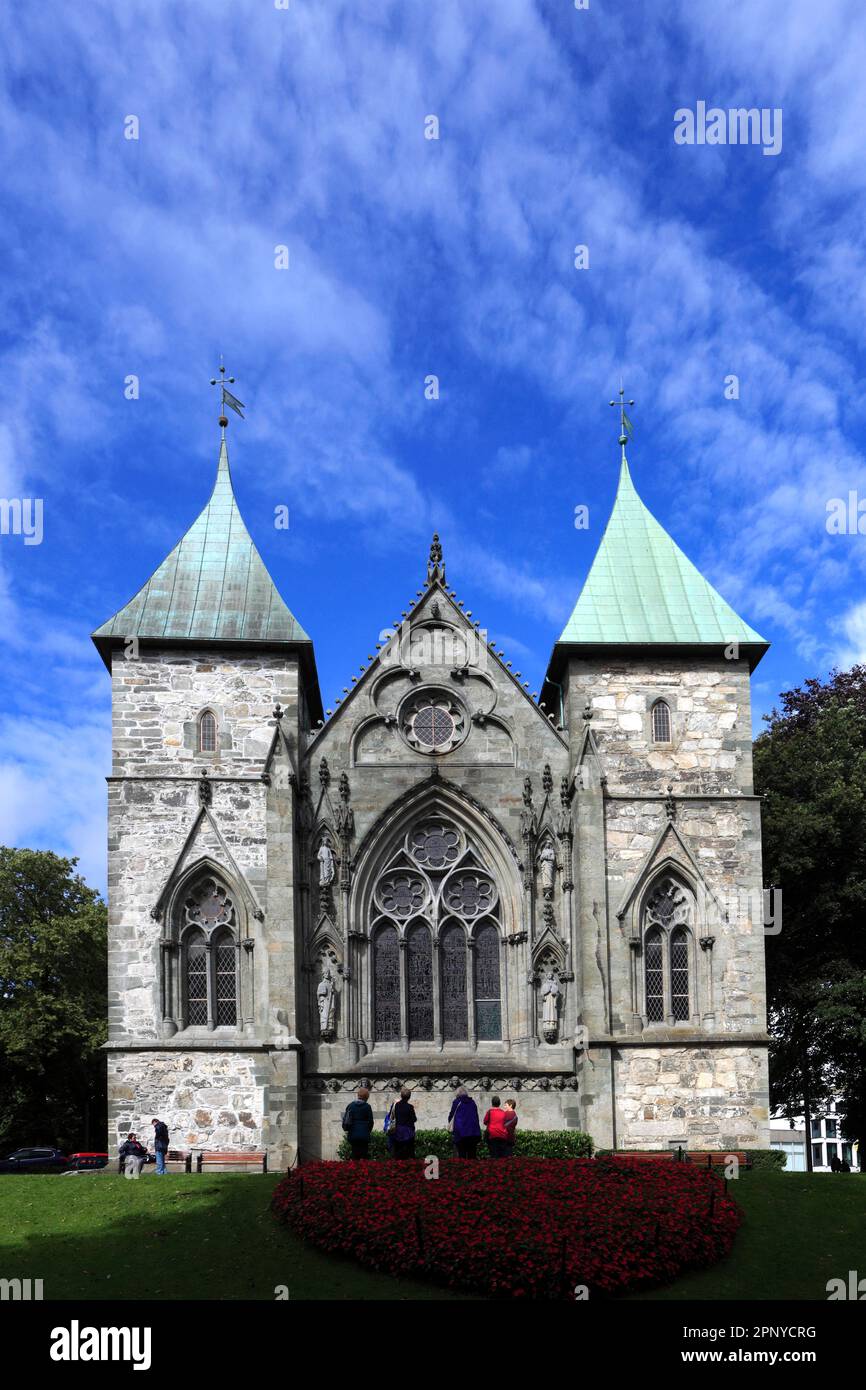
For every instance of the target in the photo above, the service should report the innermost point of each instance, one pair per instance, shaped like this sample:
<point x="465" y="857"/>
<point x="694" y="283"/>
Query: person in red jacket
<point x="496" y="1133"/>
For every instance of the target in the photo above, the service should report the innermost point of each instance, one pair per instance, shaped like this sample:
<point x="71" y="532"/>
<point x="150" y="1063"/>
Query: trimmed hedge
<point x="770" y="1160"/>
<point x="530" y="1143"/>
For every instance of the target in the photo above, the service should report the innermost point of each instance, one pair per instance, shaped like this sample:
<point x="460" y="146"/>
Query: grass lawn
<point x="212" y="1236"/>
<point x="798" y="1231"/>
<point x="98" y="1235"/>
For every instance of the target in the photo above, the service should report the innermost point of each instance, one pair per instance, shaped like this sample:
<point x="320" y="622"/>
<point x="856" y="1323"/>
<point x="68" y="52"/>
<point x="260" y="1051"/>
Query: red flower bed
<point x="519" y="1228"/>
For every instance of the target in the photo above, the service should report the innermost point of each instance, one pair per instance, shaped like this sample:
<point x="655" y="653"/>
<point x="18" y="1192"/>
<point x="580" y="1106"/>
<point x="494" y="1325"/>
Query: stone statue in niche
<point x="550" y="992"/>
<point x="325" y="857"/>
<point x="327" y="1002"/>
<point x="547" y="860"/>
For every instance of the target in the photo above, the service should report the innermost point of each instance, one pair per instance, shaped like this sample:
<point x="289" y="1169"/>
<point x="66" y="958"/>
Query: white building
<point x="826" y="1139"/>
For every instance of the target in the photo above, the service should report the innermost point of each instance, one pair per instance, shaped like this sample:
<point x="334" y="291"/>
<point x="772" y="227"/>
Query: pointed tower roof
<point x="212" y="588"/>
<point x="643" y="591"/>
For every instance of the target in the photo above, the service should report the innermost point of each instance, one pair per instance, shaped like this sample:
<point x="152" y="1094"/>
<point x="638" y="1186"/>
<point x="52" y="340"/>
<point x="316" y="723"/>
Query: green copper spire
<point x="213" y="587"/>
<point x="642" y="590"/>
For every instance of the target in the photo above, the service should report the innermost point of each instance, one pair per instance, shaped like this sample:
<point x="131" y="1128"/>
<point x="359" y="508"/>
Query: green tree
<point x="810" y="767"/>
<point x="53" y="1002"/>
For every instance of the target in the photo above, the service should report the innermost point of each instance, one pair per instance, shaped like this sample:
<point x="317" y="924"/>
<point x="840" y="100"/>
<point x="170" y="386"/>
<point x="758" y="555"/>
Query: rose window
<point x="469" y="894"/>
<point x="210" y="906"/>
<point x="434" y="845"/>
<point x="401" y="895"/>
<point x="433" y="726"/>
<point x="432" y="722"/>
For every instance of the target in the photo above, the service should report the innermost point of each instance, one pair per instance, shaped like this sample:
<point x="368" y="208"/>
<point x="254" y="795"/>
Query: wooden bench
<point x="229" y="1160"/>
<point x="644" y="1155"/>
<point x="715" y="1158"/>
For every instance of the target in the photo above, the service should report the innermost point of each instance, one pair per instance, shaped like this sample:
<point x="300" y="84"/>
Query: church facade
<point x="444" y="880"/>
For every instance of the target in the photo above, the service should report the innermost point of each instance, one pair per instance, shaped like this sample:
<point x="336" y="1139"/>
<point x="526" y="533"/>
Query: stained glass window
<point x="434" y="845"/>
<point x="420" y="953"/>
<point x="196" y="979"/>
<point x="654" y="970"/>
<point x="680" y="975"/>
<point x="415" y="896"/>
<point x="469" y="894"/>
<point x="455" y="1012"/>
<point x="488" y="1006"/>
<point x="401" y="894"/>
<point x="386" y="985"/>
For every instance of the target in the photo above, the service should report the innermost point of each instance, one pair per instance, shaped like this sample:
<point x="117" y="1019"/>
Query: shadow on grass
<point x="97" y="1236"/>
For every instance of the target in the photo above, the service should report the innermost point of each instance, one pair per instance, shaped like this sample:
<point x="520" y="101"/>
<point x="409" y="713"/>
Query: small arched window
<point x="207" y="732"/>
<point x="661" y="718"/>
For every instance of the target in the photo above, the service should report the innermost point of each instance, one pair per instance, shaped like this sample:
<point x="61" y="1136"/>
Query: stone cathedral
<point x="447" y="878"/>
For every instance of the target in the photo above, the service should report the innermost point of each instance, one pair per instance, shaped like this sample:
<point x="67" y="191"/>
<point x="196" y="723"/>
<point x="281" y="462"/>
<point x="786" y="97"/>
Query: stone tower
<point x="652" y="676"/>
<point x="213" y="682"/>
<point x="443" y="879"/>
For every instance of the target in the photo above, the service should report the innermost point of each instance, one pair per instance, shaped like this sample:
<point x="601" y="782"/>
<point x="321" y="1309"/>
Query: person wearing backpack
<point x="401" y="1130"/>
<point x="463" y="1124"/>
<point x="358" y="1124"/>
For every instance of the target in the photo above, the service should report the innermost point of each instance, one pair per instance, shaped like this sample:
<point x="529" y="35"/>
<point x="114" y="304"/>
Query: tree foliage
<point x="810" y="767"/>
<point x="53" y="1004"/>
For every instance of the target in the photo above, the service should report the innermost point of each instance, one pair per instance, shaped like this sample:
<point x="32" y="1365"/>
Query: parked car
<point x="34" y="1160"/>
<point x="80" y="1162"/>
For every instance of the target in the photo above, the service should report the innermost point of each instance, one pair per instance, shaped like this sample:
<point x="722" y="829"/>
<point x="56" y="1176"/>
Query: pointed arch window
<point x="435" y="898"/>
<point x="196" y="978"/>
<point x="420" y="985"/>
<point x="655" y="977"/>
<point x="455" y="1010"/>
<point x="667" y="942"/>
<point x="207" y="732"/>
<point x="210" y="991"/>
<point x="386" y="985"/>
<point x="488" y="1004"/>
<point x="680" y="975"/>
<point x="661" y="722"/>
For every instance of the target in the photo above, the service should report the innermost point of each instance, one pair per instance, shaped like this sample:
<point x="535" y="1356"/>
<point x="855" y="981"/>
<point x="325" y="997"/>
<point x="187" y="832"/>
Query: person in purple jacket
<point x="463" y="1124"/>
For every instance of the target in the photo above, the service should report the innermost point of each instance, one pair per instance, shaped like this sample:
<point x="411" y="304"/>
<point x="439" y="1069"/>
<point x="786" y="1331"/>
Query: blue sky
<point x="304" y="127"/>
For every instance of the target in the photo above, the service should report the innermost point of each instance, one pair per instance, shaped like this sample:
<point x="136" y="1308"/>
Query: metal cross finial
<point x="226" y="397"/>
<point x="626" y="432"/>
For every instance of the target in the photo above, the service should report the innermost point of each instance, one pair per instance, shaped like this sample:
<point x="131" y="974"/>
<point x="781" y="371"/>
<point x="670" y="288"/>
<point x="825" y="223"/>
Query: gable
<point x="438" y="691"/>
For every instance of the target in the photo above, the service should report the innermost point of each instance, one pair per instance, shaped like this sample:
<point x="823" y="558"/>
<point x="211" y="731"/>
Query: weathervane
<point x="626" y="431"/>
<point x="227" y="397"/>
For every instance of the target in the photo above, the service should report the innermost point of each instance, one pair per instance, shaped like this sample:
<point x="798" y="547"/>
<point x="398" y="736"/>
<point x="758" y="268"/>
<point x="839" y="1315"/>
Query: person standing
<point x="463" y="1124"/>
<point x="402" y="1126"/>
<point x="497" y="1134"/>
<point x="160" y="1144"/>
<point x="510" y="1123"/>
<point x="358" y="1124"/>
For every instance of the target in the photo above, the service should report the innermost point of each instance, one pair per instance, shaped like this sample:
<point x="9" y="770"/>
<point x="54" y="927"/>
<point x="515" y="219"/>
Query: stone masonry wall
<point x="703" y="1097"/>
<point x="208" y="1100"/>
